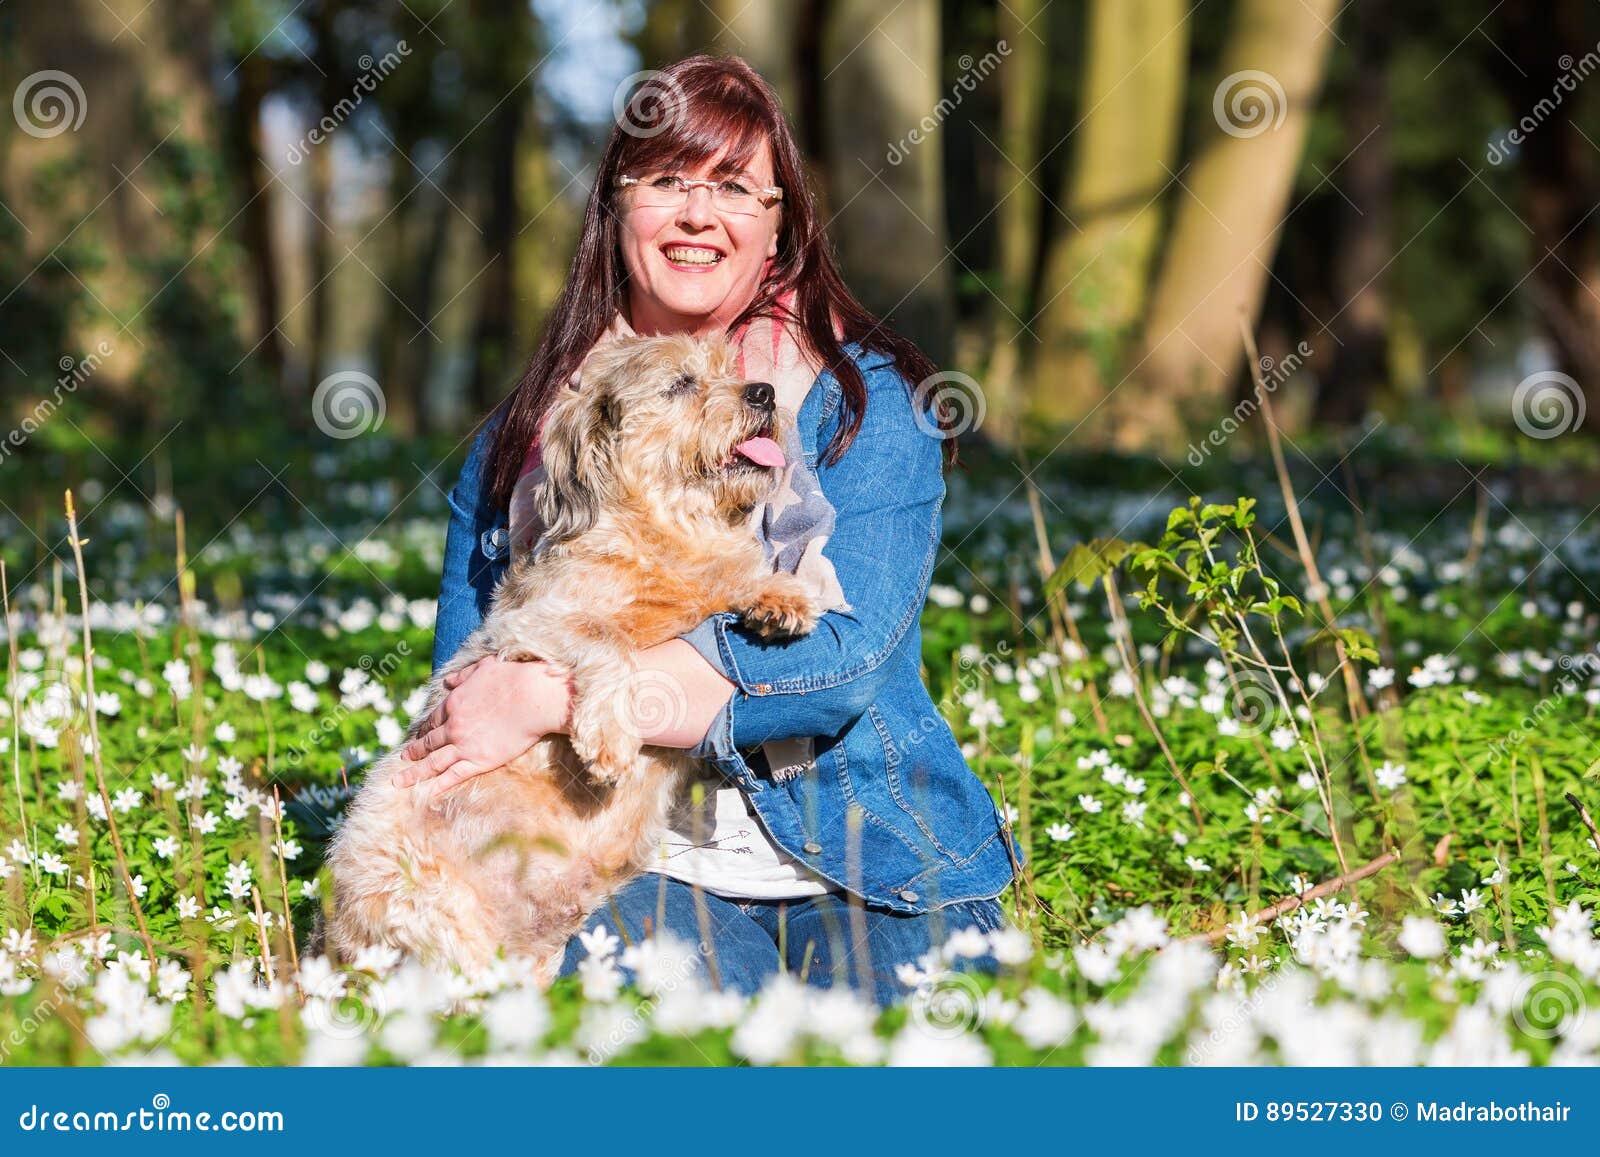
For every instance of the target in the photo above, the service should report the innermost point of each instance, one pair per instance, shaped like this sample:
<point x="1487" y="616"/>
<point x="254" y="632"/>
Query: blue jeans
<point x="826" y="939"/>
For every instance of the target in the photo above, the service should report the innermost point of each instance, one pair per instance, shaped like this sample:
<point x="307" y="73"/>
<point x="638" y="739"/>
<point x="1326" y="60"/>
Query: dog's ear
<point x="577" y="448"/>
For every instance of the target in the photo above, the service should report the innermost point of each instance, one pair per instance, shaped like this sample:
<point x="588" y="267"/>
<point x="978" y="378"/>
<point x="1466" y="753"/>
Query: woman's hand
<point x="495" y="711"/>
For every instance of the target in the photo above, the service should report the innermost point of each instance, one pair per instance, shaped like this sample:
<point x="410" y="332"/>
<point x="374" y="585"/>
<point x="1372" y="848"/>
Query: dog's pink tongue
<point x="761" y="451"/>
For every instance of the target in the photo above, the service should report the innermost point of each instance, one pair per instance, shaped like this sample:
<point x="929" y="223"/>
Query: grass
<point x="1183" y="730"/>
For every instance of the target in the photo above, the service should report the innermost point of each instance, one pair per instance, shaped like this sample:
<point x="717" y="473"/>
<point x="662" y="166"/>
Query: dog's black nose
<point x="759" y="394"/>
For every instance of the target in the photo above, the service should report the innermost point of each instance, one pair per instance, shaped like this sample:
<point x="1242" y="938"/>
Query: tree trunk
<point x="319" y="200"/>
<point x="1228" y="220"/>
<point x="1361" y="253"/>
<point x="511" y="25"/>
<point x="885" y="182"/>
<point x="1098" y="271"/>
<point x="1559" y="186"/>
<point x="252" y="177"/>
<point x="764" y="35"/>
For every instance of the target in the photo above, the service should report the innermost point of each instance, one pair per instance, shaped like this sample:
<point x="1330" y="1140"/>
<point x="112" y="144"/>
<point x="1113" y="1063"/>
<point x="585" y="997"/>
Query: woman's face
<point x="692" y="269"/>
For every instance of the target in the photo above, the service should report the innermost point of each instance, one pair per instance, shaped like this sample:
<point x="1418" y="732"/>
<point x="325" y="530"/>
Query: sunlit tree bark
<point x="1229" y="215"/>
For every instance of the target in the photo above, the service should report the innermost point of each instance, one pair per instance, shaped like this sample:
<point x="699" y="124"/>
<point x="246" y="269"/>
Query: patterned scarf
<point x="795" y="520"/>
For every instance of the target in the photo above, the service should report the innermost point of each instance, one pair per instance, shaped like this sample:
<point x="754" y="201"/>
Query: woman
<point x="839" y="833"/>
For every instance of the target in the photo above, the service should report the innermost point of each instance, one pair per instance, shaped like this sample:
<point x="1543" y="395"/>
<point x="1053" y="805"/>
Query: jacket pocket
<point x="905" y="794"/>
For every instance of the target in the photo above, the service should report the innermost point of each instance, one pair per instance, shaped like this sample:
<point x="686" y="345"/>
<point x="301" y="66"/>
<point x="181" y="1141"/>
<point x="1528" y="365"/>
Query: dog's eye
<point x="682" y="384"/>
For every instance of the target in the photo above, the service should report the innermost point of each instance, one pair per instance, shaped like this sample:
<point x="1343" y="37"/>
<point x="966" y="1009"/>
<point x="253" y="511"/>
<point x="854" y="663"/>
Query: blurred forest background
<point x="208" y="207"/>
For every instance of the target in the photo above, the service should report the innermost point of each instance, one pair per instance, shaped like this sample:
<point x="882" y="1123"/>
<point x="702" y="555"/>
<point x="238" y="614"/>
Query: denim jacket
<point x="888" y="808"/>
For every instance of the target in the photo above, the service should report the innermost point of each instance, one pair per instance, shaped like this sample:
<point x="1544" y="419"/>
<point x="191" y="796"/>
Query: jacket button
<point x="813" y="849"/>
<point x="909" y="896"/>
<point x="493" y="542"/>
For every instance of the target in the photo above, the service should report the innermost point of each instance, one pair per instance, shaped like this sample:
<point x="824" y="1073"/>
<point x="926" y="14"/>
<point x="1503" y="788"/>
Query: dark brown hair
<point x="679" y="119"/>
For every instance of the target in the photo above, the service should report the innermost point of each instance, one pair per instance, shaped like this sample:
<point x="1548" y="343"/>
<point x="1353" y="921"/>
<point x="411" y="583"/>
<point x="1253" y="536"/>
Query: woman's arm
<point x="496" y="710"/>
<point x="886" y="491"/>
<point x="728" y="687"/>
<point x="467" y="581"/>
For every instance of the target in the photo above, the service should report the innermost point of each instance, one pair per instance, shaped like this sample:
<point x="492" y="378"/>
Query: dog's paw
<point x="604" y="762"/>
<point x="782" y="610"/>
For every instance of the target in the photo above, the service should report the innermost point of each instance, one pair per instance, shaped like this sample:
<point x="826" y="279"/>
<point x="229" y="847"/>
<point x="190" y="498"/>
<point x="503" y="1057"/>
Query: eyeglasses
<point x="671" y="191"/>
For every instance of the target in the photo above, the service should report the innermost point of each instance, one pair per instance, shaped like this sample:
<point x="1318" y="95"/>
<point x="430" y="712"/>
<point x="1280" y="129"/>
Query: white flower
<point x="166" y="847"/>
<point x="1196" y="864"/>
<point x="67" y="834"/>
<point x="238" y="879"/>
<point x="601" y="978"/>
<point x="1380" y="677"/>
<point x="1244" y="931"/>
<point x="1062" y="832"/>
<point x="1390" y="775"/>
<point x="1422" y="937"/>
<point x="1089" y="804"/>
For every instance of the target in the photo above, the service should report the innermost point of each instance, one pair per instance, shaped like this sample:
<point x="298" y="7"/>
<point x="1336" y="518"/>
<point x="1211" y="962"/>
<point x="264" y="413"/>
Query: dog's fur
<point x="647" y="510"/>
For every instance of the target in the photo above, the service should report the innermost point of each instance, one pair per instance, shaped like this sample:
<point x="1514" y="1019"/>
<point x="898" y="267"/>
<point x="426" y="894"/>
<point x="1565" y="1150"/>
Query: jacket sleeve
<point x="886" y="492"/>
<point x="468" y="577"/>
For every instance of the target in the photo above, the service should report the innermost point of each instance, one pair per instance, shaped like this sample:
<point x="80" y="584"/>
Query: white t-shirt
<point x="733" y="856"/>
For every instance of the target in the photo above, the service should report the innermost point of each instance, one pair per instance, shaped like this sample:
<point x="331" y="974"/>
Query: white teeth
<point x="692" y="256"/>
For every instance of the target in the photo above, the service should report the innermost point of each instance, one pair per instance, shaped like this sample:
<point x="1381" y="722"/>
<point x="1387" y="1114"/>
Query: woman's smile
<point x="690" y="257"/>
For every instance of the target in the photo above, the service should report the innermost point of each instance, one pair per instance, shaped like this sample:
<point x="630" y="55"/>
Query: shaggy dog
<point x="654" y="465"/>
